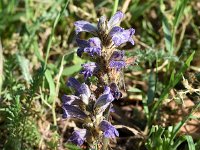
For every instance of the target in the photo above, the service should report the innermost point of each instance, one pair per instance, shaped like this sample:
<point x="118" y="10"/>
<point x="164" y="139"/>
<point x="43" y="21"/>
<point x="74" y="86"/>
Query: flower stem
<point x="115" y="7"/>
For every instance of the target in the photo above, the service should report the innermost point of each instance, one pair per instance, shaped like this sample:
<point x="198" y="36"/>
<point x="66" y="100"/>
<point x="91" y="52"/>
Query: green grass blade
<point x="180" y="140"/>
<point x="115" y="7"/>
<point x="151" y="88"/>
<point x="179" y="12"/>
<point x="138" y="10"/>
<point x="190" y="142"/>
<point x="51" y="85"/>
<point x="53" y="30"/>
<point x="166" y="29"/>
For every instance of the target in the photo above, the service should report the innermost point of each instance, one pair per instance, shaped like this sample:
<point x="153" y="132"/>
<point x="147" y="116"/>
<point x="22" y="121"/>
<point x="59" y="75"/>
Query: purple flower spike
<point x="82" y="26"/>
<point x="94" y="47"/>
<point x="78" y="137"/>
<point x="73" y="112"/>
<point x="120" y="36"/>
<point x="89" y="69"/>
<point x="115" y="19"/>
<point x="104" y="100"/>
<point x="109" y="131"/>
<point x="70" y="100"/>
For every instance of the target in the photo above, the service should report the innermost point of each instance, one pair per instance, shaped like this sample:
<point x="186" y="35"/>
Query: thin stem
<point x="1" y="66"/>
<point x="115" y="7"/>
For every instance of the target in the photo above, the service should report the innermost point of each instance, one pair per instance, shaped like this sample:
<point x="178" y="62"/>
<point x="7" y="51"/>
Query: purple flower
<point x="73" y="83"/>
<point x="115" y="19"/>
<point x="92" y="46"/>
<point x="82" y="44"/>
<point x="109" y="131"/>
<point x="115" y="91"/>
<point x="120" y="36"/>
<point x="82" y="89"/>
<point x="71" y="99"/>
<point x="78" y="137"/>
<point x="106" y="30"/>
<point x="82" y="26"/>
<point x="89" y="69"/>
<point x="104" y="100"/>
<point x="70" y="111"/>
<point x="117" y="60"/>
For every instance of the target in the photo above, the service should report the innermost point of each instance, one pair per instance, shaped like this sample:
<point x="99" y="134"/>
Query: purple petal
<point x="70" y="111"/>
<point x="109" y="131"/>
<point x="82" y="44"/>
<point x="73" y="83"/>
<point x="118" y="55"/>
<point x="117" y="64"/>
<point x="106" y="90"/>
<point x="115" y="19"/>
<point x="82" y="89"/>
<point x="115" y="91"/>
<point x="82" y="26"/>
<point x="89" y="69"/>
<point x="70" y="100"/>
<point x="94" y="46"/>
<point x="80" y="51"/>
<point x="78" y="137"/>
<point x="117" y="60"/>
<point x="104" y="101"/>
<point x="120" y="36"/>
<point x="95" y="41"/>
<point x="84" y="93"/>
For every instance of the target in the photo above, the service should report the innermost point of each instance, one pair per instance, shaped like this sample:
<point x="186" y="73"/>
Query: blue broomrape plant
<point x="106" y="62"/>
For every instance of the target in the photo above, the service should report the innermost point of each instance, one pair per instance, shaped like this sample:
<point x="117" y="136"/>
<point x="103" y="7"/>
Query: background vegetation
<point x="160" y="106"/>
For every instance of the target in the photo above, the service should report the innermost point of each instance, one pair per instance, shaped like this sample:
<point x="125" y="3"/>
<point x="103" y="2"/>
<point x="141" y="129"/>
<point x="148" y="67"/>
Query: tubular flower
<point x="117" y="60"/>
<point x="104" y="100"/>
<point x="89" y="69"/>
<point x="109" y="131"/>
<point x="92" y="46"/>
<point x="110" y="28"/>
<point x="78" y="137"/>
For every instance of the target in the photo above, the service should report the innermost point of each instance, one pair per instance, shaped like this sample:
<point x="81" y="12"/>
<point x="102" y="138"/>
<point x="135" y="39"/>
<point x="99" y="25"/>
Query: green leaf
<point x="24" y="66"/>
<point x="166" y="28"/>
<point x="51" y="85"/>
<point x="151" y="88"/>
<point x="72" y="147"/>
<point x="179" y="11"/>
<point x="71" y="70"/>
<point x="190" y="142"/>
<point x="134" y="90"/>
<point x="137" y="10"/>
<point x="167" y="33"/>
<point x="182" y="139"/>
